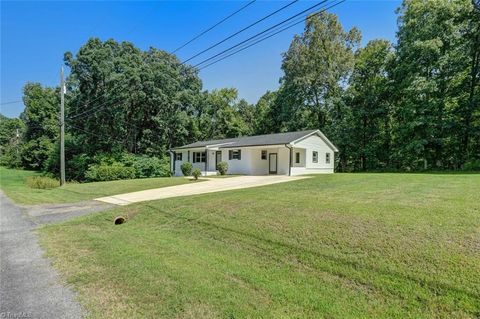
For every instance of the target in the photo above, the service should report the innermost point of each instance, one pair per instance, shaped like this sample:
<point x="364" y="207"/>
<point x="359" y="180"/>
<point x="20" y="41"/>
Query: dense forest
<point x="405" y="106"/>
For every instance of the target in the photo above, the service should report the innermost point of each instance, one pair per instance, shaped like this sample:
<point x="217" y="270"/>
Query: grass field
<point x="333" y="246"/>
<point x="12" y="182"/>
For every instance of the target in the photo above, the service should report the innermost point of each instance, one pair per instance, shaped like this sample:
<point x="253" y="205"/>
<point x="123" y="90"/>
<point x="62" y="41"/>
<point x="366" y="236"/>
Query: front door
<point x="218" y="158"/>
<point x="272" y="163"/>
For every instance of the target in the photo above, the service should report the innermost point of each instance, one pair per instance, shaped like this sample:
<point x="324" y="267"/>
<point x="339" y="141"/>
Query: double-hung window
<point x="315" y="157"/>
<point x="178" y="156"/>
<point x="264" y="154"/>
<point x="327" y="158"/>
<point x="234" y="154"/>
<point x="297" y="157"/>
<point x="199" y="157"/>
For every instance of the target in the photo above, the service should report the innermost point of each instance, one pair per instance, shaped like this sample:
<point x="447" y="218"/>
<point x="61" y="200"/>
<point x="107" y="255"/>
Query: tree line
<point x="412" y="105"/>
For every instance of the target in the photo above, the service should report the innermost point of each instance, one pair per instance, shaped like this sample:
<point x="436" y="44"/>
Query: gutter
<point x="290" y="160"/>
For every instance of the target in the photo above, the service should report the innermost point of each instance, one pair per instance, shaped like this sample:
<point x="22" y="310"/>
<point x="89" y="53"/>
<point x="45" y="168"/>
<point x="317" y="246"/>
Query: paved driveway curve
<point x="29" y="286"/>
<point x="210" y="186"/>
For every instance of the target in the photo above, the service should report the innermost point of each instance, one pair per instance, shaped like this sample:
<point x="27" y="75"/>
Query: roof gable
<point x="258" y="140"/>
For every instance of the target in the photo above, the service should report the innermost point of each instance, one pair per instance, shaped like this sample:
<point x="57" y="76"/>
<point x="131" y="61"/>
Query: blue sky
<point x="34" y="36"/>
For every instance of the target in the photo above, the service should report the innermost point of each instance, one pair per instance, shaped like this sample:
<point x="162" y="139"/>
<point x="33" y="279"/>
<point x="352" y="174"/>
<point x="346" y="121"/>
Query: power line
<point x="103" y="105"/>
<point x="214" y="26"/>
<point x="81" y="129"/>
<point x="11" y="102"/>
<point x="243" y="43"/>
<point x="272" y="34"/>
<point x="254" y="41"/>
<point x="99" y="106"/>
<point x="262" y="32"/>
<point x="240" y="31"/>
<point x="150" y="13"/>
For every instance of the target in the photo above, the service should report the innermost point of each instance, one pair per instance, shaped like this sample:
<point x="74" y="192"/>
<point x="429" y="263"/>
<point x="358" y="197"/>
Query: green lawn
<point x="333" y="246"/>
<point x="12" y="182"/>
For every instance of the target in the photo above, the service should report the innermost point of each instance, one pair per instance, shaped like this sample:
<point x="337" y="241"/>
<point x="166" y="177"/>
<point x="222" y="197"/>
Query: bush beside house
<point x="186" y="168"/>
<point x="222" y="168"/>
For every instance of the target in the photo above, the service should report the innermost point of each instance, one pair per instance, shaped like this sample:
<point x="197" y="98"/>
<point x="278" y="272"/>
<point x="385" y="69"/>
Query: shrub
<point x="222" y="168"/>
<point x="42" y="182"/>
<point x="473" y="165"/>
<point x="151" y="167"/>
<point x="186" y="168"/>
<point x="196" y="173"/>
<point x="109" y="172"/>
<point x="77" y="162"/>
<point x="77" y="167"/>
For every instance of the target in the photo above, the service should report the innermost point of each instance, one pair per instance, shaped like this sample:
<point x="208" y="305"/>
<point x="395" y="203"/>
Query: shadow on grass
<point x="434" y="287"/>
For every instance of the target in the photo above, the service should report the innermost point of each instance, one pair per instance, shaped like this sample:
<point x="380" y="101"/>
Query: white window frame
<point x="179" y="156"/>
<point x="327" y="158"/>
<point x="314" y="156"/>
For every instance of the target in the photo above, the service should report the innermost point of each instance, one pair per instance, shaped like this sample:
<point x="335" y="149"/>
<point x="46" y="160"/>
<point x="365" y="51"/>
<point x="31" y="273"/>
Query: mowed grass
<point x="333" y="246"/>
<point x="12" y="182"/>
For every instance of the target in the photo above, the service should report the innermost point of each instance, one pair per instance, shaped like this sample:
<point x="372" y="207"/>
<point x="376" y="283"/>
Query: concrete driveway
<point x="194" y="188"/>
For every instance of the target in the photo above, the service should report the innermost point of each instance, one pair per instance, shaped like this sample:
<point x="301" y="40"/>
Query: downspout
<point x="290" y="160"/>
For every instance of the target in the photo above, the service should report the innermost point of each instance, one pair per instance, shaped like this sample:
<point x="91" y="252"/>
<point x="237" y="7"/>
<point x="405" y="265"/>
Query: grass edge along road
<point x="337" y="246"/>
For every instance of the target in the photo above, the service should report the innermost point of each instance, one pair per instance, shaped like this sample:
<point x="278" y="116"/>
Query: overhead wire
<point x="214" y="26"/>
<point x="243" y="45"/>
<point x="11" y="102"/>
<point x="103" y="105"/>
<point x="269" y="35"/>
<point x="262" y="32"/>
<point x="240" y="31"/>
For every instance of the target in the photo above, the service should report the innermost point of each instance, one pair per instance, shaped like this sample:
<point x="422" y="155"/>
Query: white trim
<point x="217" y="145"/>
<point x="321" y="135"/>
<point x="265" y="146"/>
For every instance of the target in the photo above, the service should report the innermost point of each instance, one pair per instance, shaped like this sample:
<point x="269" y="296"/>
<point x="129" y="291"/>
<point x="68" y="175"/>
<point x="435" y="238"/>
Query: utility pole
<point x="62" y="129"/>
<point x="17" y="137"/>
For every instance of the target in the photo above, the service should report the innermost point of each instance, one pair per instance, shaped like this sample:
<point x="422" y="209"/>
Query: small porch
<point x="252" y="160"/>
<point x="205" y="159"/>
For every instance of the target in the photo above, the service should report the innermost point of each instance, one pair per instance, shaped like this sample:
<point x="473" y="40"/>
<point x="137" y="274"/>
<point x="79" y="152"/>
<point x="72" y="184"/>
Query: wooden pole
<point x="62" y="129"/>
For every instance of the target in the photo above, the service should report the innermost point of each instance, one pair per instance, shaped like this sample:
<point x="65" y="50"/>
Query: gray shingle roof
<point x="257" y="140"/>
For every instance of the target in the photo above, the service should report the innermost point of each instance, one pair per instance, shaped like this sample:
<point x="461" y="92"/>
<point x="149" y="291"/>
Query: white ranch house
<point x="292" y="153"/>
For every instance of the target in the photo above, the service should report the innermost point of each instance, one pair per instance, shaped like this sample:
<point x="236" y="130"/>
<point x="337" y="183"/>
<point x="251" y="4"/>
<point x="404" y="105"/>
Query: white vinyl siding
<point x="312" y="158"/>
<point x="314" y="164"/>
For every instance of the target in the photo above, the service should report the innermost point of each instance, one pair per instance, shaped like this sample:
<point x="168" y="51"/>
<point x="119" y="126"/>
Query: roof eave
<point x="252" y="145"/>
